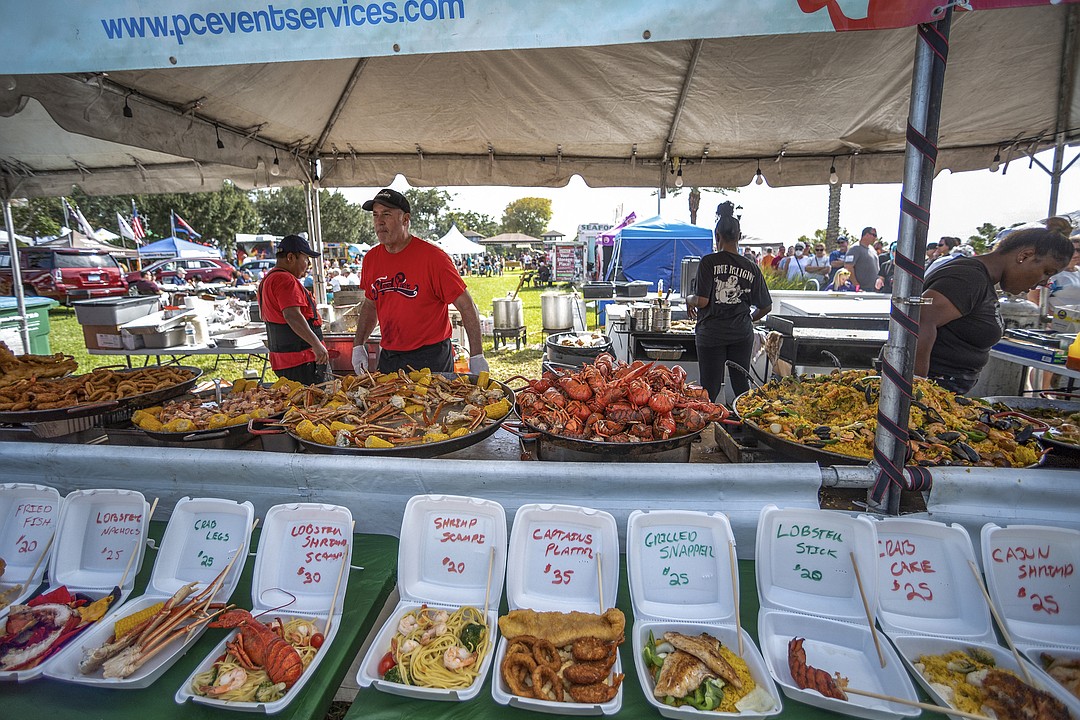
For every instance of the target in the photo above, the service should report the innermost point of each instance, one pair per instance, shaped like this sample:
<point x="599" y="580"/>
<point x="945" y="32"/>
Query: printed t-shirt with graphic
<point x="280" y="290"/>
<point x="963" y="345"/>
<point x="411" y="291"/>
<point x="733" y="285"/>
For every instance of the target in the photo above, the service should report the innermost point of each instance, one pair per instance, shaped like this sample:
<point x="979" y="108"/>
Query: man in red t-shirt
<point x="293" y="326"/>
<point x="408" y="284"/>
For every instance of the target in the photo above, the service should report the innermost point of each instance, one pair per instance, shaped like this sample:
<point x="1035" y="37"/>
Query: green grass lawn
<point x="66" y="336"/>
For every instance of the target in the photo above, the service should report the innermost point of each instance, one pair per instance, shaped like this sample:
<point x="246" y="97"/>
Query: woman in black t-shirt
<point x="728" y="285"/>
<point x="961" y="324"/>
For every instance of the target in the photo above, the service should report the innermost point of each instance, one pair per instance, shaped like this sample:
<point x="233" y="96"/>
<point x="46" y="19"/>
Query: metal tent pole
<point x="317" y="243"/>
<point x="1065" y="85"/>
<point x="16" y="279"/>
<point x="894" y="404"/>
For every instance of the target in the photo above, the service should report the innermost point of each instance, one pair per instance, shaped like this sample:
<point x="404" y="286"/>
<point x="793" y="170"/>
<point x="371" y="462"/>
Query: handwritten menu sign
<point x="916" y="570"/>
<point x="111" y="534"/>
<point x="812" y="557"/>
<point x="1035" y="575"/>
<point x="457" y="548"/>
<point x="317" y="550"/>
<point x="32" y="523"/>
<point x="212" y="540"/>
<point x="680" y="564"/>
<point x="560" y="560"/>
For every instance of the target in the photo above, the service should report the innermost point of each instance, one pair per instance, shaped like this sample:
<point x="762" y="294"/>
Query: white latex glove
<point x="359" y="359"/>
<point x="478" y="364"/>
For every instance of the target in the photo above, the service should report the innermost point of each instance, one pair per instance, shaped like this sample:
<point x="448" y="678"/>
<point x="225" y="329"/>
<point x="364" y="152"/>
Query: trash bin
<point x="37" y="313"/>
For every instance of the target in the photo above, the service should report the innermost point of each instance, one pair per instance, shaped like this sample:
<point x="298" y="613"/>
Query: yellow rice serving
<point x="731" y="694"/>
<point x="951" y="676"/>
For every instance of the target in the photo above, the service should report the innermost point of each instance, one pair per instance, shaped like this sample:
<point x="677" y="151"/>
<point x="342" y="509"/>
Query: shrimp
<point x="407" y="624"/>
<point x="432" y="632"/>
<point x="408" y="646"/>
<point x="232" y="679"/>
<point x="457" y="657"/>
<point x="299" y="634"/>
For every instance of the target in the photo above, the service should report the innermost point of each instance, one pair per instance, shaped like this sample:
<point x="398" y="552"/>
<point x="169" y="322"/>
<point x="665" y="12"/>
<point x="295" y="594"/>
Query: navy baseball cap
<point x="296" y="244"/>
<point x="390" y="198"/>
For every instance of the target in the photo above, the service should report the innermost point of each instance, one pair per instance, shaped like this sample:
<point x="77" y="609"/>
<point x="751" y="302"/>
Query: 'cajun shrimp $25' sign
<point x="1035" y="574"/>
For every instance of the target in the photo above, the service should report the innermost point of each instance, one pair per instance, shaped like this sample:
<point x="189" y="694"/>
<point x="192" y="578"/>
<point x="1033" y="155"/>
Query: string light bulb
<point x="833" y="177"/>
<point x="217" y="132"/>
<point x="995" y="164"/>
<point x="678" y="177"/>
<point x="758" y="177"/>
<point x="275" y="169"/>
<point x="127" y="108"/>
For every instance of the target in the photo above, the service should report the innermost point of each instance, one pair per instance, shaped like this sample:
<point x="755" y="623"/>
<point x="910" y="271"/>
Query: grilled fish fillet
<point x="561" y="629"/>
<point x="706" y="648"/>
<point x="681" y="675"/>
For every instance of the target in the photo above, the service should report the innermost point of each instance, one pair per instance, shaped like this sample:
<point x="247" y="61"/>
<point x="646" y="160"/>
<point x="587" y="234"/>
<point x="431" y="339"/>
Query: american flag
<point x="137" y="226"/>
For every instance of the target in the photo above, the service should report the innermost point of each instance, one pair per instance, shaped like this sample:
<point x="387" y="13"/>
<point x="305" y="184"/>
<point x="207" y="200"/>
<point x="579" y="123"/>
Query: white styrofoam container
<point x="303" y="549"/>
<point x="943" y="610"/>
<point x="201" y="538"/>
<point x="558" y="556"/>
<point x="807" y="588"/>
<point x="679" y="568"/>
<point x="97" y="533"/>
<point x="29" y="515"/>
<point x="1031" y="576"/>
<point x="448" y="545"/>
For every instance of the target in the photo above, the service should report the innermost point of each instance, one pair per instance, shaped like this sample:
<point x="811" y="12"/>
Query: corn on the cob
<point x="126" y="624"/>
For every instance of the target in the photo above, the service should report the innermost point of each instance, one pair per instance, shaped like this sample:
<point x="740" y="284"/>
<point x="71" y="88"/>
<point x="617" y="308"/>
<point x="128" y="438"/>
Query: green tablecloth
<point x="367" y="592"/>
<point x="372" y="704"/>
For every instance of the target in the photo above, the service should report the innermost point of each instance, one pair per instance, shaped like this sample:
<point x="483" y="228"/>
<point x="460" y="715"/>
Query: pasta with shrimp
<point x="434" y="648"/>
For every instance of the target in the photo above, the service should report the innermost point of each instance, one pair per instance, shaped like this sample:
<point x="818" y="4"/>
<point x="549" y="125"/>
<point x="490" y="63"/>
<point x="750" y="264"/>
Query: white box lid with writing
<point x="201" y="538"/>
<point x="29" y="515"/>
<point x="445" y="550"/>
<point x="925" y="582"/>
<point x="99" y="530"/>
<point x="803" y="562"/>
<point x="555" y="551"/>
<point x="1031" y="573"/>
<point x="678" y="565"/>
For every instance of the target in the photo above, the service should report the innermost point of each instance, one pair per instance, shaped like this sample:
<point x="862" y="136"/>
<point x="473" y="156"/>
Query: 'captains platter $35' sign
<point x="810" y="545"/>
<point x="317" y="546"/>
<point x="690" y="547"/>
<point x="1042" y="575"/>
<point x="562" y="551"/>
<point x="457" y="532"/>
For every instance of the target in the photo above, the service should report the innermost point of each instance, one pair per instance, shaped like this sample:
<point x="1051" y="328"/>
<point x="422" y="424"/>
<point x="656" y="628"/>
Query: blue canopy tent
<point x="653" y="250"/>
<point x="175" y="247"/>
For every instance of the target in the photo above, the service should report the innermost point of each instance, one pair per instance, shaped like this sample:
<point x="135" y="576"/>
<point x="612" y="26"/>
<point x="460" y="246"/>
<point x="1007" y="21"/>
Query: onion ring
<point x="547" y="654"/>
<point x="515" y="669"/>
<point x="522" y="644"/>
<point x="591" y="649"/>
<point x="541" y="674"/>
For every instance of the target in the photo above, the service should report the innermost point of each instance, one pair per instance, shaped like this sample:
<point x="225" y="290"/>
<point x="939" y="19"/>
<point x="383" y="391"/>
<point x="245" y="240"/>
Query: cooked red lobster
<point x="808" y="677"/>
<point x="258" y="646"/>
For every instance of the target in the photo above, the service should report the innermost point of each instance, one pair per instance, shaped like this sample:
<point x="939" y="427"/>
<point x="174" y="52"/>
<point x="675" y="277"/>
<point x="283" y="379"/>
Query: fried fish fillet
<point x="706" y="648"/>
<point x="561" y="629"/>
<point x="681" y="675"/>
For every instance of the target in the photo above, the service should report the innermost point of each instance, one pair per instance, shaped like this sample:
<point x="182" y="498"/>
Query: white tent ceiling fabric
<point x="536" y="117"/>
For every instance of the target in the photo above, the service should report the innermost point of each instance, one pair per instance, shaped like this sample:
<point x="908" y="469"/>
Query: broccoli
<point x="394" y="675"/>
<point x="471" y="636"/>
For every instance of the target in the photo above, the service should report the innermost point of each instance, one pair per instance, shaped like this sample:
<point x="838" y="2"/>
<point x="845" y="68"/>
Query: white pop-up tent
<point x="454" y="243"/>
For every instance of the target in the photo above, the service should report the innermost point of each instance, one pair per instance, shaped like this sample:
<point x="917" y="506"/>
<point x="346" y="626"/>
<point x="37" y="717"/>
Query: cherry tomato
<point x="386" y="663"/>
<point x="317" y="640"/>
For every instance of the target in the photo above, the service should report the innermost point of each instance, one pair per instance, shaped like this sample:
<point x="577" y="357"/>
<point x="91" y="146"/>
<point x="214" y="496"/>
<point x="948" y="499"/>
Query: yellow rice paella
<point x="837" y="413"/>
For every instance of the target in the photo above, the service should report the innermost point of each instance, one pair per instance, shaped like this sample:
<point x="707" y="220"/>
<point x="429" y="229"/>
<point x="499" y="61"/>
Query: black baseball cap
<point x="390" y="198"/>
<point x="296" y="244"/>
<point x="842" y="239"/>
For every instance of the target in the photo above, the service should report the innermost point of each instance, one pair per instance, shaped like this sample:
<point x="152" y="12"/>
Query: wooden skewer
<point x="916" y="704"/>
<point x="347" y="557"/>
<point x="600" y="582"/>
<point x="866" y="609"/>
<point x="30" y="577"/>
<point x="735" y="593"/>
<point x="135" y="551"/>
<point x="1001" y="625"/>
<point x="487" y="592"/>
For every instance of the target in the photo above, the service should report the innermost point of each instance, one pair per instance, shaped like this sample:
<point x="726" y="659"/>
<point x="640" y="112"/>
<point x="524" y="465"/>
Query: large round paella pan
<point x="832" y="418"/>
<point x="1062" y="418"/>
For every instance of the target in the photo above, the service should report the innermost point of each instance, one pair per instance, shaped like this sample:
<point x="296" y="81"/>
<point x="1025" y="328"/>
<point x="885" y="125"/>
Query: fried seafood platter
<point x="611" y="401"/>
<point x="690" y="669"/>
<point x="549" y="658"/>
<point x="14" y="368"/>
<point x="383" y="411"/>
<point x="837" y="413"/>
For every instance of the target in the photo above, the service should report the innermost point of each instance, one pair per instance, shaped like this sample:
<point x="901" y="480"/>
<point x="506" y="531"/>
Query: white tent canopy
<point x="644" y="86"/>
<point x="454" y="243"/>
